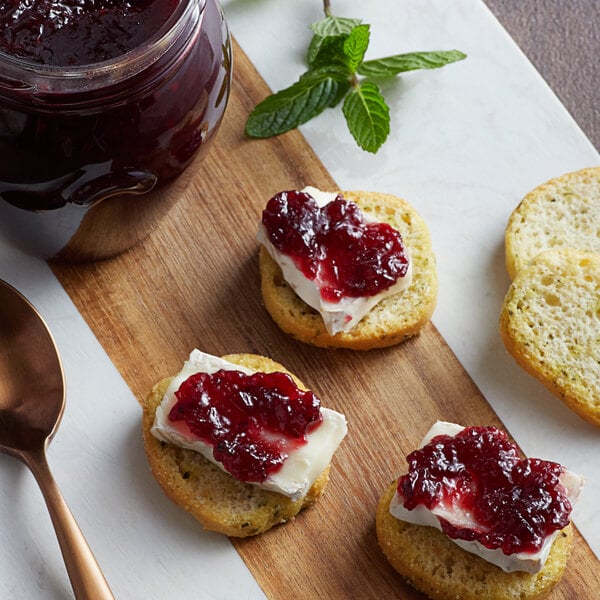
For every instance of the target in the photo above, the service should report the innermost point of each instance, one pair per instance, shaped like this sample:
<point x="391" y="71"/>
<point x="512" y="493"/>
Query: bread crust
<point x="219" y="501"/>
<point x="563" y="212"/>
<point x="436" y="566"/>
<point x="391" y="321"/>
<point x="550" y="324"/>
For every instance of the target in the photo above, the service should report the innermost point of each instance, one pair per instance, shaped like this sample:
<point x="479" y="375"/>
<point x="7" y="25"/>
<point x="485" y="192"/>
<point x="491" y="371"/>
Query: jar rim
<point x="21" y="73"/>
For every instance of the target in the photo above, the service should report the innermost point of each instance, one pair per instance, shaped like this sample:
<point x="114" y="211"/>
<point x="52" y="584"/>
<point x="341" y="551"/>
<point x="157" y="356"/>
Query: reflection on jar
<point x="94" y="156"/>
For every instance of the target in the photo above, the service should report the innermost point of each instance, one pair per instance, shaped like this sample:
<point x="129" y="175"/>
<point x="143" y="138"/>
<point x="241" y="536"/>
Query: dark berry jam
<point x="118" y="134"/>
<point x="334" y="246"/>
<point x="78" y="32"/>
<point x="251" y="421"/>
<point x="516" y="502"/>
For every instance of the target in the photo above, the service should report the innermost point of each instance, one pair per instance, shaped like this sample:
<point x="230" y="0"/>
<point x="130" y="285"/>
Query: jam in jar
<point x="105" y="108"/>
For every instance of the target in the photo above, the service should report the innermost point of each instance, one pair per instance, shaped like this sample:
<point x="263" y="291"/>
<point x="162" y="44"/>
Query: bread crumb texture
<point x="436" y="566"/>
<point x="219" y="501"/>
<point x="392" y="320"/>
<point x="550" y="323"/>
<point x="564" y="212"/>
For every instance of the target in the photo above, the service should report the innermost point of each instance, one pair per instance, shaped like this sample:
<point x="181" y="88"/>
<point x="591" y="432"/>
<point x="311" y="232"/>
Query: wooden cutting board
<point x="194" y="283"/>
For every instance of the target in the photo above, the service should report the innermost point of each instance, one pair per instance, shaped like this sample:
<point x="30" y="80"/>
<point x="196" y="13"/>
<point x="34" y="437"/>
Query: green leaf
<point x="324" y="51"/>
<point x="344" y="49"/>
<point x="367" y="116"/>
<point x="338" y="73"/>
<point x="356" y="45"/>
<point x="327" y="43"/>
<point x="392" y="65"/>
<point x="288" y="108"/>
<point x="334" y="26"/>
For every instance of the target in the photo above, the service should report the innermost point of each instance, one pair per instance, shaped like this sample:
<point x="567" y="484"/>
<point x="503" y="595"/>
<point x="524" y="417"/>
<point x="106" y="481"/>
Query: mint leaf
<point x="334" y="26"/>
<point x="392" y="65"/>
<point x="367" y="116"/>
<point x="292" y="106"/>
<point x="356" y="45"/>
<point x="324" y="51"/>
<point x="344" y="49"/>
<point x="338" y="73"/>
<point x="328" y="39"/>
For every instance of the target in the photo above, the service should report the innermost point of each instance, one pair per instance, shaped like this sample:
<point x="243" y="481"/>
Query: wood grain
<point x="194" y="283"/>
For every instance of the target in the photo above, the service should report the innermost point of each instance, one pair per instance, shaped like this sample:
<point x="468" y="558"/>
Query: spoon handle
<point x="87" y="579"/>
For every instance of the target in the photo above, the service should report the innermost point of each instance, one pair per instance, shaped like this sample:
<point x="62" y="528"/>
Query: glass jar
<point x="93" y="156"/>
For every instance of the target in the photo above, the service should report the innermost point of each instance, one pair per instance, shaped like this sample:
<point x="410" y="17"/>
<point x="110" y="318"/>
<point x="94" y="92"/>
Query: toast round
<point x="219" y="501"/>
<point x="392" y="320"/>
<point x="564" y="212"/>
<point x="436" y="566"/>
<point x="550" y="324"/>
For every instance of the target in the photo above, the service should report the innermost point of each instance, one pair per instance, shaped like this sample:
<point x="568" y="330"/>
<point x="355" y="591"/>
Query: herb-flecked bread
<point x="562" y="213"/>
<point x="390" y="322"/>
<point x="550" y="324"/>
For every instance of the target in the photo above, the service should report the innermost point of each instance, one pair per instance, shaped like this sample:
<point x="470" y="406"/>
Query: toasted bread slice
<point x="436" y="566"/>
<point x="390" y="322"/>
<point x="219" y="501"/>
<point x="550" y="323"/>
<point x="562" y="213"/>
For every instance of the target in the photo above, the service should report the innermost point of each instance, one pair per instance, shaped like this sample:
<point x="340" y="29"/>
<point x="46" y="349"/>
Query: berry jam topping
<point x="78" y="32"/>
<point x="334" y="246"/>
<point x="251" y="421"/>
<point x="516" y="503"/>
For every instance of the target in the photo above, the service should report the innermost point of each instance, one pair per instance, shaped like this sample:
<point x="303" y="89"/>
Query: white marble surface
<point x="467" y="142"/>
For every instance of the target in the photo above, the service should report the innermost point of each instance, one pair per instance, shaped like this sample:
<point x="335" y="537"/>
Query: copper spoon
<point x="32" y="400"/>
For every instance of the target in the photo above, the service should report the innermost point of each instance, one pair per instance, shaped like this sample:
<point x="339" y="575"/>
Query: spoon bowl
<point x="32" y="401"/>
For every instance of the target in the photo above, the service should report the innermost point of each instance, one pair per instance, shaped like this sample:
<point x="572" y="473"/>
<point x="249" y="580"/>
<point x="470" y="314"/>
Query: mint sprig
<point x="335" y="59"/>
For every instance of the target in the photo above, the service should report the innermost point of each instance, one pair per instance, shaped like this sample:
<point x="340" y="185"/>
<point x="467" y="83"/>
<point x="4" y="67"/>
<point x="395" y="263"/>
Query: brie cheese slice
<point x="302" y="466"/>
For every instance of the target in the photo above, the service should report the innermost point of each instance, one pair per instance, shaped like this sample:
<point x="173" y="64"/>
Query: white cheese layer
<point x="299" y="470"/>
<point x="339" y="316"/>
<point x="421" y="515"/>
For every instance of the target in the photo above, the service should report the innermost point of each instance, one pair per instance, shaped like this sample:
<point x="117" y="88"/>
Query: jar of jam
<point x="106" y="107"/>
